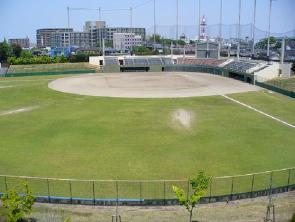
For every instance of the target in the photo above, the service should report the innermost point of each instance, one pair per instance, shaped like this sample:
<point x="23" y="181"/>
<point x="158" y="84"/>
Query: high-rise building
<point x="126" y="41"/>
<point x="111" y="30"/>
<point x="44" y="36"/>
<point x="94" y="32"/>
<point x="23" y="42"/>
<point x="67" y="39"/>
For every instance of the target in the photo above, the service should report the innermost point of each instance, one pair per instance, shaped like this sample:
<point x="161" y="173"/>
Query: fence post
<point x="187" y="193"/>
<point x="48" y="190"/>
<point x="140" y="192"/>
<point x="210" y="191"/>
<point x="93" y="192"/>
<point x="289" y="177"/>
<point x="164" y="192"/>
<point x="5" y="181"/>
<point x="232" y="188"/>
<point x="270" y="183"/>
<point x="252" y="187"/>
<point x="71" y="196"/>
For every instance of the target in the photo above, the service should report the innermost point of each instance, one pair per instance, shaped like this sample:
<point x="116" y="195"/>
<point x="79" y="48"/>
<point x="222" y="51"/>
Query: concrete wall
<point x="94" y="60"/>
<point x="273" y="71"/>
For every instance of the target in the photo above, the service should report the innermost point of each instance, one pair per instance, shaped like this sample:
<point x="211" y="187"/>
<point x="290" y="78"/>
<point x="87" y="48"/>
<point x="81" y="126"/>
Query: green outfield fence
<point x="279" y="88"/>
<point x="150" y="192"/>
<point x="20" y="74"/>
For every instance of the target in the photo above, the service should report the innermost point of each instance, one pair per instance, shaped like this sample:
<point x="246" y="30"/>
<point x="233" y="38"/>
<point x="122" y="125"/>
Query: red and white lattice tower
<point x="203" y="29"/>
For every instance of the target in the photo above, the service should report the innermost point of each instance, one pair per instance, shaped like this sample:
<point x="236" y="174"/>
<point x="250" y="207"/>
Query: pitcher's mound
<point x="150" y="85"/>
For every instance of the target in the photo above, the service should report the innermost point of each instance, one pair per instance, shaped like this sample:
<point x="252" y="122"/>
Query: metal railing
<point x="149" y="192"/>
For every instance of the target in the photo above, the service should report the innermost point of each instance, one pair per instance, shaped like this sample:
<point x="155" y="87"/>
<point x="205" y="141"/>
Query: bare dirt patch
<point x="253" y="210"/>
<point x="150" y="85"/>
<point x="183" y="117"/>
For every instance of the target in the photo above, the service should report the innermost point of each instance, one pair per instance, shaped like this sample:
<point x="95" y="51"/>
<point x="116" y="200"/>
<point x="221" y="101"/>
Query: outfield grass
<point x="73" y="136"/>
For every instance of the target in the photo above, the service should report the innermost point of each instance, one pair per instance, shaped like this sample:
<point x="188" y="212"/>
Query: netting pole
<point x="289" y="176"/>
<point x="93" y="192"/>
<point x="252" y="187"/>
<point x="5" y="181"/>
<point x="48" y="190"/>
<point x="71" y="196"/>
<point x="232" y="188"/>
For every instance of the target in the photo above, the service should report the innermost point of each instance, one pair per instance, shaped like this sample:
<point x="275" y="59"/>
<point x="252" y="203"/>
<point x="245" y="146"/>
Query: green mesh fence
<point x="149" y="190"/>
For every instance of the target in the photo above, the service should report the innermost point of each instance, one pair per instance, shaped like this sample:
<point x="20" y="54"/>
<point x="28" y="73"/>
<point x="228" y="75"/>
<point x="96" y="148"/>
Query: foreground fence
<point x="150" y="192"/>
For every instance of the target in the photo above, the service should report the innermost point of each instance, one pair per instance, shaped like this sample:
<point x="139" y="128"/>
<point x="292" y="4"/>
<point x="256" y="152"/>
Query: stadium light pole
<point x="253" y="28"/>
<point x="239" y="31"/>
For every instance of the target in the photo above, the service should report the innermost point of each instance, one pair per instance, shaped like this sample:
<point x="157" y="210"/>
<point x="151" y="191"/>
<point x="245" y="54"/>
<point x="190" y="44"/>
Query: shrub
<point x="18" y="205"/>
<point x="293" y="218"/>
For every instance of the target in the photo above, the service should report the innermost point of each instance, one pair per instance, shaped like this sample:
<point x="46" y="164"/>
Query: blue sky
<point x="21" y="18"/>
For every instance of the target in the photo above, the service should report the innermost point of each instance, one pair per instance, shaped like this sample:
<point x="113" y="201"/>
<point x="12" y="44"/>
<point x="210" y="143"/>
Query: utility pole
<point x="253" y="28"/>
<point x="239" y="32"/>
<point x="268" y="39"/>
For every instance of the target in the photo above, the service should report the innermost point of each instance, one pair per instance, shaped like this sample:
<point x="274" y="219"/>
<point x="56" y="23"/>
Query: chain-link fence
<point x="150" y="192"/>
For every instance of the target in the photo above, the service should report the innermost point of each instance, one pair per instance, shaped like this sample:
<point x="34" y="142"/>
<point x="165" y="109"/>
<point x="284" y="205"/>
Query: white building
<point x="125" y="41"/>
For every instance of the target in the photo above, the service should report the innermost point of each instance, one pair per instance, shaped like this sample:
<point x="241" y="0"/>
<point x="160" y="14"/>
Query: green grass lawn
<point x="72" y="136"/>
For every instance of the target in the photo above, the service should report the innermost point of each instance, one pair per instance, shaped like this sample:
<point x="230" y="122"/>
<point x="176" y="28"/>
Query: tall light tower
<point x="253" y="28"/>
<point x="239" y="31"/>
<point x="268" y="34"/>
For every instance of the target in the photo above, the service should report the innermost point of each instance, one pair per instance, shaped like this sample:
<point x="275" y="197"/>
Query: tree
<point x="157" y="38"/>
<point x="109" y="44"/>
<point x="18" y="205"/>
<point x="262" y="44"/>
<point x="199" y="185"/>
<point x="5" y="51"/>
<point x="141" y="50"/>
<point x="16" y="50"/>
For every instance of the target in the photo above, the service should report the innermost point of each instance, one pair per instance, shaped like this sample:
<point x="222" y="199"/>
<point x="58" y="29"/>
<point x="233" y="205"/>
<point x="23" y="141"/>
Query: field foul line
<point x="259" y="111"/>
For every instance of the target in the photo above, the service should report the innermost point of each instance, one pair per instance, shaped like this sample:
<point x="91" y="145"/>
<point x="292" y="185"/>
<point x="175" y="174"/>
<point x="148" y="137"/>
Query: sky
<point x="21" y="18"/>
